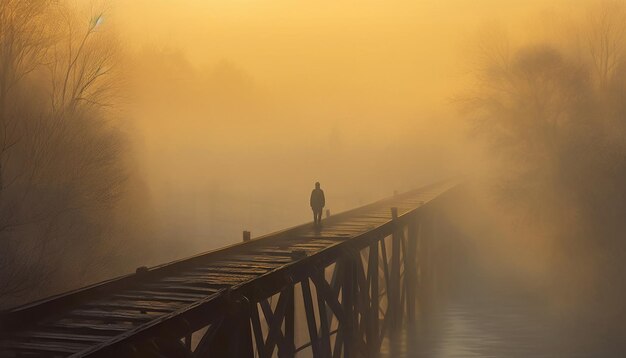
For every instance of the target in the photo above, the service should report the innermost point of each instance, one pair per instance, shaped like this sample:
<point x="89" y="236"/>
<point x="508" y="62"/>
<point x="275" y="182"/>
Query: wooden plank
<point x="218" y="269"/>
<point x="71" y="337"/>
<point x="371" y="219"/>
<point x="157" y="297"/>
<point x="353" y="225"/>
<point x="261" y="259"/>
<point x="207" y="281"/>
<point x="312" y="244"/>
<point x="183" y="295"/>
<point x="112" y="315"/>
<point x="86" y="328"/>
<point x="273" y="251"/>
<point x="343" y="229"/>
<point x="224" y="274"/>
<point x="141" y="305"/>
<point x="341" y="232"/>
<point x="166" y="288"/>
<point x="47" y="348"/>
<point x="324" y="240"/>
<point x="308" y="248"/>
<point x="244" y="264"/>
<point x="317" y="236"/>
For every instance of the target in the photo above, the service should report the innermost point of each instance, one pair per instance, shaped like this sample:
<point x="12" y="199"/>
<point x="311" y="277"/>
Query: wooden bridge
<point x="346" y="285"/>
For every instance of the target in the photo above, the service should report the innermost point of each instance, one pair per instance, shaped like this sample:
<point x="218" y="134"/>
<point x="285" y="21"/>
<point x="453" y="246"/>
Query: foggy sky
<point x="238" y="107"/>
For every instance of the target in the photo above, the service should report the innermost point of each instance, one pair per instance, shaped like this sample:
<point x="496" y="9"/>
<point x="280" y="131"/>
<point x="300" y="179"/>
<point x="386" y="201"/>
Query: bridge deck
<point x="91" y="320"/>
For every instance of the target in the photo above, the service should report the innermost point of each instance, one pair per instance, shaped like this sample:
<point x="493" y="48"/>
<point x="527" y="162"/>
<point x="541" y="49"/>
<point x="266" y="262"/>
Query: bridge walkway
<point x="92" y="320"/>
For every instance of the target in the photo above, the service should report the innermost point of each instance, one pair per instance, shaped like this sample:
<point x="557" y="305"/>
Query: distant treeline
<point x="554" y="111"/>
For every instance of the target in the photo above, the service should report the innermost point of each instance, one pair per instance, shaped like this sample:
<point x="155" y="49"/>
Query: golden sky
<point x="257" y="100"/>
<point x="393" y="49"/>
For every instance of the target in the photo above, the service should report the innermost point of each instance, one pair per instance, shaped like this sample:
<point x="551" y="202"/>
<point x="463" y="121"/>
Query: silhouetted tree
<point x="556" y="117"/>
<point x="61" y="158"/>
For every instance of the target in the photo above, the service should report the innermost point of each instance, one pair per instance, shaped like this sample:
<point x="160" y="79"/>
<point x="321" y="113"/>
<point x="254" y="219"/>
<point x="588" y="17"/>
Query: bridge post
<point x="233" y="333"/>
<point x="246" y="236"/>
<point x="324" y="310"/>
<point x="411" y="267"/>
<point x="394" y="289"/>
<point x="425" y="257"/>
<point x="373" y="331"/>
<point x="347" y="302"/>
<point x="290" y="316"/>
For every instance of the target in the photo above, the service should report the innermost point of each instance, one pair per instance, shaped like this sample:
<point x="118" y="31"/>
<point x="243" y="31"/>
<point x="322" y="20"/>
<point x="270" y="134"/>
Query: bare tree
<point x="61" y="159"/>
<point x="82" y="65"/>
<point x="23" y="44"/>
<point x="606" y="40"/>
<point x="551" y="116"/>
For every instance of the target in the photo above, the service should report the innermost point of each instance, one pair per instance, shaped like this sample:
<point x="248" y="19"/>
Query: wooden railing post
<point x="290" y="316"/>
<point x="246" y="236"/>
<point x="394" y="289"/>
<point x="347" y="301"/>
<point x="425" y="257"/>
<point x="373" y="330"/>
<point x="411" y="268"/>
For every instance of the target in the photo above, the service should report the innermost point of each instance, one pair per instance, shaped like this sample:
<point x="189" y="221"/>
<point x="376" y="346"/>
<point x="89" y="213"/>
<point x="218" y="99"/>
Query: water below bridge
<point x="487" y="315"/>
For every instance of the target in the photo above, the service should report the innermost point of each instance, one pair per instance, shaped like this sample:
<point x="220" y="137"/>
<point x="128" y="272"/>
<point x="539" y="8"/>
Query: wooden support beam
<point x="425" y="257"/>
<point x="411" y="268"/>
<point x="394" y="288"/>
<point x="334" y="284"/>
<point x="383" y="250"/>
<point x="188" y="342"/>
<point x="288" y="349"/>
<point x="363" y="299"/>
<point x="275" y="324"/>
<point x="258" y="332"/>
<point x="347" y="303"/>
<point x="403" y="275"/>
<point x="204" y="347"/>
<point x="324" y="332"/>
<point x="373" y="338"/>
<point x="310" y="317"/>
<point x="330" y="296"/>
<point x="339" y="345"/>
<point x="269" y="316"/>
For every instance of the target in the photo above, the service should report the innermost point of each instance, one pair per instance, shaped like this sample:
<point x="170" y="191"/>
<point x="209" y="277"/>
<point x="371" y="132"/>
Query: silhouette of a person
<point x="317" y="204"/>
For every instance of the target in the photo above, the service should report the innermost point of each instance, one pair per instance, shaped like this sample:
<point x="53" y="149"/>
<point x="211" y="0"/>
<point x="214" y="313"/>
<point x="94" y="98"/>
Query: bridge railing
<point x="338" y="299"/>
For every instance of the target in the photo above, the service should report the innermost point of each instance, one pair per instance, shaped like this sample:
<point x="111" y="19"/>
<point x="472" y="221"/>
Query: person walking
<point x="318" y="201"/>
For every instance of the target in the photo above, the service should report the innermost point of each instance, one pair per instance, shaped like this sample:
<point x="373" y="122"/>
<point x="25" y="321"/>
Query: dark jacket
<point x="317" y="199"/>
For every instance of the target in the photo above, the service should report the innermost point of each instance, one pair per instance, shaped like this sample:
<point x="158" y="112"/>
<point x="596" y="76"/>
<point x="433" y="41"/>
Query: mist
<point x="221" y="116"/>
<point x="237" y="117"/>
